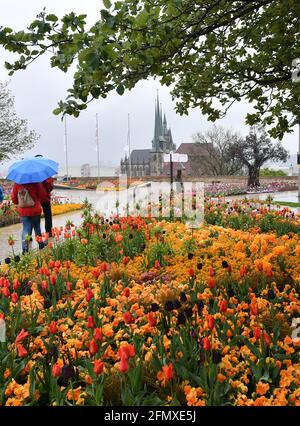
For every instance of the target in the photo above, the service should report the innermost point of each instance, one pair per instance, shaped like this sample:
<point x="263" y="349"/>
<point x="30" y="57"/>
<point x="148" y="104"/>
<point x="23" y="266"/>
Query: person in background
<point x="30" y="210"/>
<point x="1" y="195"/>
<point x="46" y="203"/>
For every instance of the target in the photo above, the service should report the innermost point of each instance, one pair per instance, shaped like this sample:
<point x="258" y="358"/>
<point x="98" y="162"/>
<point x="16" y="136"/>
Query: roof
<point x="193" y="148"/>
<point x="194" y="152"/>
<point x="140" y="156"/>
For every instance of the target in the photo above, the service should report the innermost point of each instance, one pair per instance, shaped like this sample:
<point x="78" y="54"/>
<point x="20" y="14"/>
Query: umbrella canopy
<point x="32" y="170"/>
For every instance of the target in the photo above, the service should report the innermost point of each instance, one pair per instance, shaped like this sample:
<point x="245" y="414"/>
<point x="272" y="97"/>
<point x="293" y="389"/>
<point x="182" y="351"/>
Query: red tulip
<point x="21" y="336"/>
<point x="104" y="267"/>
<point x="90" y="322"/>
<point x="151" y="319"/>
<point x="95" y="273"/>
<point x="98" y="366"/>
<point x="191" y="272"/>
<point x="52" y="327"/>
<point x="211" y="322"/>
<point x="254" y="307"/>
<point x="69" y="285"/>
<point x="14" y="298"/>
<point x="5" y="292"/>
<point x="126" y="292"/>
<point x="124" y="366"/>
<point x="223" y="306"/>
<point x="211" y="283"/>
<point x="125" y="260"/>
<point x="267" y="338"/>
<point x="157" y="264"/>
<point x="89" y="294"/>
<point x="127" y="351"/>
<point x="44" y="285"/>
<point x="53" y="279"/>
<point x="128" y="318"/>
<point x="93" y="348"/>
<point x="22" y="352"/>
<point x="211" y="272"/>
<point x="86" y="283"/>
<point x="16" y="284"/>
<point x="256" y="332"/>
<point x="98" y="333"/>
<point x="56" y="370"/>
<point x="169" y="371"/>
<point x="206" y="344"/>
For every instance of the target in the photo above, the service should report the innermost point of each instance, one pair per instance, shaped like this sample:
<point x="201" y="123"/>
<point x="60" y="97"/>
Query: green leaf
<point x="120" y="89"/>
<point x="52" y="18"/>
<point x="107" y="3"/>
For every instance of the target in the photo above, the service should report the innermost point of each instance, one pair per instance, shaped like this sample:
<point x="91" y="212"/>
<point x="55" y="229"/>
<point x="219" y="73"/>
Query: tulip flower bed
<point x="245" y="215"/>
<point x="222" y="189"/>
<point x="9" y="214"/>
<point x="139" y="312"/>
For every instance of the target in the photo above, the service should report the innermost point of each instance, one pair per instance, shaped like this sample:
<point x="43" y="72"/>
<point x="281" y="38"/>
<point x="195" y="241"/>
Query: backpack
<point x="24" y="198"/>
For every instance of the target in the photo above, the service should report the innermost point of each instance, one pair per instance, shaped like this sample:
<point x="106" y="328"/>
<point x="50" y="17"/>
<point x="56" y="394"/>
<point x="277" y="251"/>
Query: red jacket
<point x="37" y="193"/>
<point x="48" y="186"/>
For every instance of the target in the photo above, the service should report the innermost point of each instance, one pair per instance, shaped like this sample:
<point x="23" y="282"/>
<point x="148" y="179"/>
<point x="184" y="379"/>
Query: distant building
<point x="85" y="170"/>
<point x="198" y="160"/>
<point x="150" y="162"/>
<point x="77" y="171"/>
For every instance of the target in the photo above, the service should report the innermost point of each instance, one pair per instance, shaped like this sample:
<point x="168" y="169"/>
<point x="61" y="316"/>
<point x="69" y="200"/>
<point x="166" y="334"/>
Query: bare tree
<point x="216" y="145"/>
<point x="255" y="150"/>
<point x="14" y="136"/>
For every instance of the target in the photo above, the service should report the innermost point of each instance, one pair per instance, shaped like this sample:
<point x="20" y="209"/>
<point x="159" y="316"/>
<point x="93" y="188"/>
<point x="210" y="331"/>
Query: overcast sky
<point x="38" y="89"/>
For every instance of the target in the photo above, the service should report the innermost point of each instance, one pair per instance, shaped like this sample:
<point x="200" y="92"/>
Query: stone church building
<point x="150" y="162"/>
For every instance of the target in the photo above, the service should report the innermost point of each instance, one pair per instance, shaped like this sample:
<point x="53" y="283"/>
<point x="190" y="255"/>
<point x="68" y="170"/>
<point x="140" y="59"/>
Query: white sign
<point x="176" y="158"/>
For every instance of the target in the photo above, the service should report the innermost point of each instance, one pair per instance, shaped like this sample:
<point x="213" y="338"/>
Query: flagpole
<point x="298" y="161"/>
<point x="97" y="148"/>
<point x="66" y="149"/>
<point x="129" y="147"/>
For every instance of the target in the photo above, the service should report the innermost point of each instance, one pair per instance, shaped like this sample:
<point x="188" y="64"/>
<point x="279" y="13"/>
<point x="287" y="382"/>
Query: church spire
<point x="165" y="126"/>
<point x="157" y="126"/>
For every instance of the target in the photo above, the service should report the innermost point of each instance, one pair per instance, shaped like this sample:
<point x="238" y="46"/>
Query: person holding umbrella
<point x="28" y="198"/>
<point x="46" y="204"/>
<point x="28" y="192"/>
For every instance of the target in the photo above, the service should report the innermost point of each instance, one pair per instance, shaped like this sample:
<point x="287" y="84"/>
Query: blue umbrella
<point x="32" y="170"/>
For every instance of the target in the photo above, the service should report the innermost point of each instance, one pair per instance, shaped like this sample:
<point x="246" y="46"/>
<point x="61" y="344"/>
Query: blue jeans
<point x="30" y="223"/>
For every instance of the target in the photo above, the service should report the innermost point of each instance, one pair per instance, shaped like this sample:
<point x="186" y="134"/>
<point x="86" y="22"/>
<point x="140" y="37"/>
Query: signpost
<point x="173" y="158"/>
